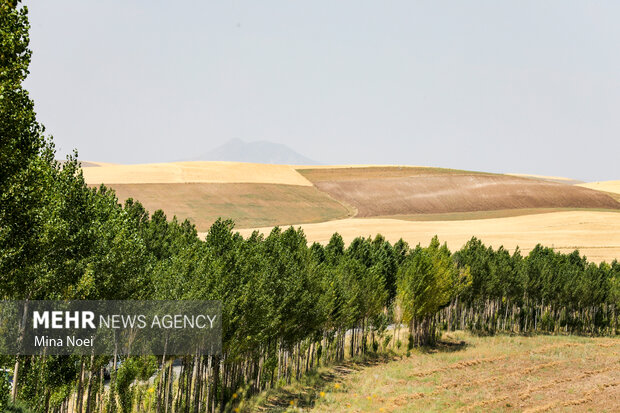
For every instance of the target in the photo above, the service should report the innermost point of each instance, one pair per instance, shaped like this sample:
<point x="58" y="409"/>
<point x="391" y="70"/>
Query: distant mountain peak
<point x="238" y="150"/>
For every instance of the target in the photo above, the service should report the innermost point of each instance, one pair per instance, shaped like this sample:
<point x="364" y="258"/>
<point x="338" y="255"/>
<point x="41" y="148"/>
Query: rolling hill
<point x="611" y="188"/>
<point x="248" y="204"/>
<point x="402" y="191"/>
<point x="414" y="203"/>
<point x="251" y="194"/>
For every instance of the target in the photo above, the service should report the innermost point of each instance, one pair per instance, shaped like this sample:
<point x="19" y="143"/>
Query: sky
<point x="498" y="86"/>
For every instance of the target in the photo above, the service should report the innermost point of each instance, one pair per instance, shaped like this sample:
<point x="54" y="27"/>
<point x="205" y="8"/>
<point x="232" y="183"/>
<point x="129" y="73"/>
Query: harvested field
<point x="355" y="173"/>
<point x="458" y="193"/>
<point x="454" y="204"/>
<point x="500" y="373"/>
<point x="195" y="172"/>
<point x="605" y="186"/>
<point x="595" y="234"/>
<point x="248" y="205"/>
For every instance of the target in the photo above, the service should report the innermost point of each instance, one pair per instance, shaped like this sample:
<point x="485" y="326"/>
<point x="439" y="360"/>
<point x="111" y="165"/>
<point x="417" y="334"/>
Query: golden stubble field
<point x="612" y="188"/>
<point x="595" y="233"/>
<point x="194" y="172"/>
<point x="605" y="186"/>
<point x="469" y="373"/>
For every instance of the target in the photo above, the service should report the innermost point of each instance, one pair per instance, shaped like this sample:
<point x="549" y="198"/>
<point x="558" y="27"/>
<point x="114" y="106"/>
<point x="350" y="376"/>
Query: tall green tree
<point x="24" y="162"/>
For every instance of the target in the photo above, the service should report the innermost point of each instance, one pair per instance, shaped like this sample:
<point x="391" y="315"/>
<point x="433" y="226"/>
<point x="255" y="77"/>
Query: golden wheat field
<point x="605" y="186"/>
<point x="595" y="233"/>
<point x="194" y="172"/>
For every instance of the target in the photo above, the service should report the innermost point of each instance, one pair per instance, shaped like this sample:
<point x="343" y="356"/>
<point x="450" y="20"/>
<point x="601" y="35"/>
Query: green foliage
<point x="24" y="157"/>
<point x="141" y="368"/>
<point x="18" y="407"/>
<point x="427" y="281"/>
<point x="5" y="390"/>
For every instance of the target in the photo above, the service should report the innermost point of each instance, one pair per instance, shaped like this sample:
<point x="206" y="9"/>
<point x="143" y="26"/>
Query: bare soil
<point x="458" y="193"/>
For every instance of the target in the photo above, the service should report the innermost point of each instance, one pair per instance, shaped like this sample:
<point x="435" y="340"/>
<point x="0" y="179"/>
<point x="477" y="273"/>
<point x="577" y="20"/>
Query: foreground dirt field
<point x="596" y="234"/>
<point x="186" y="172"/>
<point x="248" y="205"/>
<point x="501" y="373"/>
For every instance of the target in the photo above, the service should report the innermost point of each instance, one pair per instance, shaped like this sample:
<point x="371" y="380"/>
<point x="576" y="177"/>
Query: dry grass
<point x="605" y="186"/>
<point x="502" y="373"/>
<point x="595" y="234"/>
<point x="195" y="172"/>
<point x="248" y="205"/>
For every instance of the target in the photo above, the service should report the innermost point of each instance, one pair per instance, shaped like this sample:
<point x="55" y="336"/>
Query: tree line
<point x="288" y="307"/>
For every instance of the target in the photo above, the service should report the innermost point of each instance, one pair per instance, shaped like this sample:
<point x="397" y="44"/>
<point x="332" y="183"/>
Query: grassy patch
<point x="499" y="373"/>
<point x="248" y="204"/>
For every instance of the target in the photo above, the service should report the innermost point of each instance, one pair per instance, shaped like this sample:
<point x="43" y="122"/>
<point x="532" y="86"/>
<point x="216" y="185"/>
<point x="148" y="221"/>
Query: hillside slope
<point x="606" y="186"/>
<point x="260" y="195"/>
<point x="402" y="191"/>
<point x="248" y="204"/>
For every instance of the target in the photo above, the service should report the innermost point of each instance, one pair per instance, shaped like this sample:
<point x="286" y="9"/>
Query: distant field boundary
<point x="490" y="214"/>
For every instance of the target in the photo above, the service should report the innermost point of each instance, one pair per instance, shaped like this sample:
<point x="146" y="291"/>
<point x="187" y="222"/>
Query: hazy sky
<point x="502" y="86"/>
